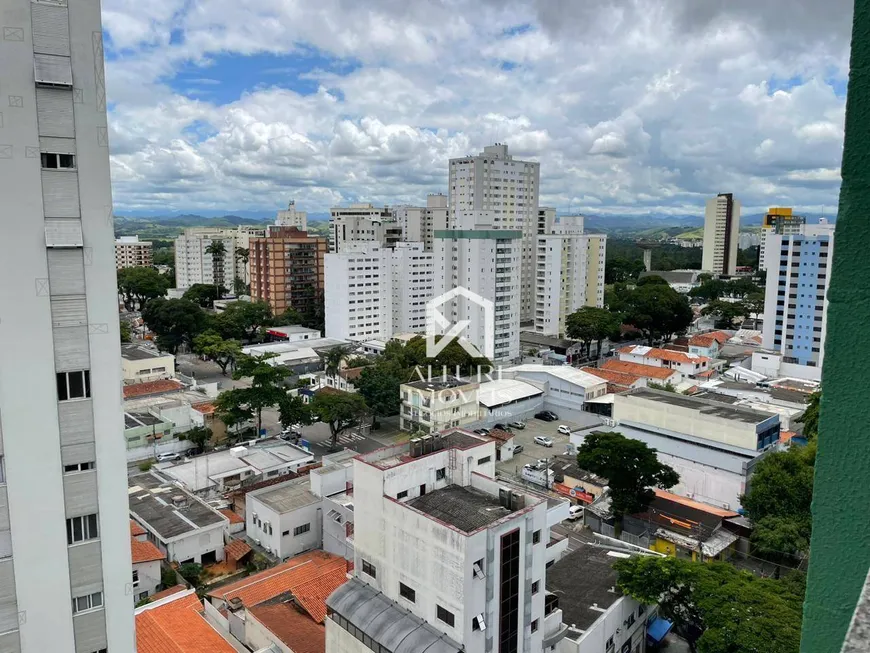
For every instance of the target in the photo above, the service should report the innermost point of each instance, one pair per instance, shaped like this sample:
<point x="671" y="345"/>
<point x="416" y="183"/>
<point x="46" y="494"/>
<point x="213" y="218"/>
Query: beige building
<point x="433" y="406"/>
<point x="130" y="252"/>
<point x="140" y="365"/>
<point x="721" y="234"/>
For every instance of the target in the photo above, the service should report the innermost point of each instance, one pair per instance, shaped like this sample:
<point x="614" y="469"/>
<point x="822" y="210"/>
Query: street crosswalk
<point x="350" y="438"/>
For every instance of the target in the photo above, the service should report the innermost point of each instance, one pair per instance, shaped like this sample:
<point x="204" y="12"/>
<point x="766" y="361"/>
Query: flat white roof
<point x="564" y="372"/>
<point x="292" y="328"/>
<point x="504" y="391"/>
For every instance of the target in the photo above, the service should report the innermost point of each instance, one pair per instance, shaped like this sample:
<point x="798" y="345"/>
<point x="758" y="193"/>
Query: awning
<point x="658" y="628"/>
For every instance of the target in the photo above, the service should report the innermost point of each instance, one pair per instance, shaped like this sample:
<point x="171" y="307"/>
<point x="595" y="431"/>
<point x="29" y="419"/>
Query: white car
<point x="168" y="457"/>
<point x="564" y="429"/>
<point x="575" y="512"/>
<point x="543" y="440"/>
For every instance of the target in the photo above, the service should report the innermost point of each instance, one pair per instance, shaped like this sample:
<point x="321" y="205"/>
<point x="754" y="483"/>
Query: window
<point x="79" y="467"/>
<point x="630" y="620"/>
<point x="299" y="530"/>
<point x="79" y="529"/>
<point x="402" y="495"/>
<point x="536" y="586"/>
<point x="2" y="471"/>
<point x="484" y="460"/>
<point x="609" y="644"/>
<point x="135" y="578"/>
<point x="445" y="615"/>
<point x="89" y="602"/>
<point x="369" y="569"/>
<point x="440" y="474"/>
<point x="54" y="161"/>
<point x="509" y="589"/>
<point x="534" y="625"/>
<point x="536" y="537"/>
<point x="407" y="593"/>
<point x="73" y="385"/>
<point x="285" y="533"/>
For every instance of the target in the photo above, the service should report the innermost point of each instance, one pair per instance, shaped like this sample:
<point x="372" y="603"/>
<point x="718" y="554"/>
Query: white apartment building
<point x="357" y="297"/>
<point x="362" y="222"/>
<point x="292" y="218"/>
<point x="419" y="223"/>
<point x="506" y="189"/>
<point x="777" y="221"/>
<point x="486" y="261"/>
<point x="795" y="299"/>
<point x="569" y="273"/>
<point x="130" y="252"/>
<point x="194" y="265"/>
<point x="439" y="404"/>
<point x="721" y="234"/>
<point x="446" y="558"/>
<point x="65" y="562"/>
<point x="412" y="284"/>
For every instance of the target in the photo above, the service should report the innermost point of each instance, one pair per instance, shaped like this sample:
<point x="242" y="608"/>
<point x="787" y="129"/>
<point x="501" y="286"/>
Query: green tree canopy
<point x="199" y="435"/>
<point x="203" y="294"/>
<point x="140" y="284"/>
<point x="243" y="320"/>
<point x="656" y="310"/>
<point x="266" y="390"/>
<point x="631" y="468"/>
<point x="651" y="280"/>
<point x="175" y="321"/>
<point x="590" y="324"/>
<point x="340" y="410"/>
<point x="810" y="418"/>
<point x="726" y="313"/>
<point x="214" y="348"/>
<point x="126" y="331"/>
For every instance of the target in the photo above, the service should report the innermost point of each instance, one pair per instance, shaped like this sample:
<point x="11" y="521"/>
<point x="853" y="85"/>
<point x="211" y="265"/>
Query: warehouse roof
<point x="501" y="392"/>
<point x="166" y="510"/>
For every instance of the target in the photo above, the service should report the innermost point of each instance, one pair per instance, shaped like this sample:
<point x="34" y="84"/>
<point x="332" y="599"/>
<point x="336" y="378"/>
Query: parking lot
<point x="532" y="451"/>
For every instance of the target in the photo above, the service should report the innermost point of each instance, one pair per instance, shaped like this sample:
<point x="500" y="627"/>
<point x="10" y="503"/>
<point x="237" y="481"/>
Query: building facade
<point x="412" y="285"/>
<point x="362" y="222"/>
<point x="292" y="218"/>
<point x="65" y="562"/>
<point x="358" y="300"/>
<point x="130" y="252"/>
<point x="721" y="232"/>
<point x="795" y="299"/>
<point x="419" y="223"/>
<point x="195" y="265"/>
<point x="432" y="406"/>
<point x="492" y="182"/>
<point x="777" y="221"/>
<point x="287" y="269"/>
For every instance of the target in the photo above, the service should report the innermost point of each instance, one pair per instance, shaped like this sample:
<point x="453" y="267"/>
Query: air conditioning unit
<point x="479" y="622"/>
<point x="255" y="515"/>
<point x="478" y="571"/>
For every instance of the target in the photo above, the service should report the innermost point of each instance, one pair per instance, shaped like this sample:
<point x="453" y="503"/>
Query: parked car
<point x="545" y="416"/>
<point x="168" y="457"/>
<point x="503" y="427"/>
<point x="552" y="414"/>
<point x="543" y="440"/>
<point x="517" y="425"/>
<point x="518" y="449"/>
<point x="575" y="512"/>
<point x="482" y="431"/>
<point x="565" y="430"/>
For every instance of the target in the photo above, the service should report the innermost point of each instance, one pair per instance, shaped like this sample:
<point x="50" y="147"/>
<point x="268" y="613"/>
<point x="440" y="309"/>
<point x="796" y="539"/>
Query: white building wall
<point x="149" y="579"/>
<point x="292" y="218"/>
<point x="28" y="398"/>
<point x="258" y="637"/>
<point x="192" y="545"/>
<point x="412" y="279"/>
<point x="357" y="222"/>
<point x="358" y="298"/>
<point x="275" y="531"/>
<point x="194" y="265"/>
<point x="611" y="624"/>
<point x="718" y="487"/>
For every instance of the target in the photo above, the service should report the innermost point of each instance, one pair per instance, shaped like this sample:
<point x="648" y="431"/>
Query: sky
<point x="631" y="106"/>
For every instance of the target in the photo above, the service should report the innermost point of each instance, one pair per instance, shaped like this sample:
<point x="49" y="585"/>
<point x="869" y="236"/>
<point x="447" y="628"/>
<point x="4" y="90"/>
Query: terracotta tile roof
<point x="145" y="551"/>
<point x="178" y="627"/>
<point x="151" y="388"/>
<point x="292" y="627"/>
<point x="703" y="340"/>
<point x="286" y="577"/>
<point x="637" y="369"/>
<point x="237" y="549"/>
<point x="663" y="354"/>
<point x="234" y="517"/>
<point x="697" y="505"/>
<point x="501" y="436"/>
<point x="169" y="591"/>
<point x="351" y="373"/>
<point x="612" y="376"/>
<point x="136" y="529"/>
<point x="312" y="595"/>
<point x="206" y="408"/>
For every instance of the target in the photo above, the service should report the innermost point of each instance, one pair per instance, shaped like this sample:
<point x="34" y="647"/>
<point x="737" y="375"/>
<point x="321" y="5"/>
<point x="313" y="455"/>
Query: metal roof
<point x="506" y="391"/>
<point x="706" y="406"/>
<point x="288" y="496"/>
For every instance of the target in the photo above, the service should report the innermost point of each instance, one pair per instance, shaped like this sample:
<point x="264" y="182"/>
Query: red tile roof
<point x="501" y="436"/>
<point x="136" y="529"/>
<point x="237" y="549"/>
<point x="307" y="576"/>
<point x="178" y="627"/>
<point x="151" y="388"/>
<point x="351" y="373"/>
<point x="206" y="408"/>
<point x="145" y="551"/>
<point x="292" y="627"/>
<point x="697" y="505"/>
<point x="234" y="517"/>
<point x="169" y="591"/>
<point x="612" y="376"/>
<point x="637" y="369"/>
<point x="664" y="354"/>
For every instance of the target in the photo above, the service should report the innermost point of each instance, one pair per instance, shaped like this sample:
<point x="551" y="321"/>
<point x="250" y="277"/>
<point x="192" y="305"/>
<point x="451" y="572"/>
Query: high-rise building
<point x="65" y="564"/>
<point x="419" y="223"/>
<point x="292" y="218"/>
<point x="287" y="269"/>
<point x="412" y="285"/>
<point x="446" y="558"/>
<point x="569" y="273"/>
<point x="795" y="299"/>
<point x="721" y="231"/>
<point x="493" y="182"/>
<point x="780" y="221"/>
<point x="196" y="261"/>
<point x="474" y="255"/>
<point x="362" y="222"/>
<point x="130" y="252"/>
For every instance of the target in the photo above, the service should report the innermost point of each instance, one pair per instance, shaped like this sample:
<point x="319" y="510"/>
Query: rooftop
<point x="465" y="508"/>
<point x="617" y="378"/>
<point x="144" y="551"/>
<point x="234" y="517"/>
<point x="585" y="583"/>
<point x="151" y="388"/>
<point x="287" y="496"/>
<point x="292" y="626"/>
<point x="533" y="338"/>
<point x="135" y="420"/>
<point x="673" y="276"/>
<point x="152" y="505"/>
<point x="388" y="624"/>
<point x="139" y="353"/>
<point x="663" y="354"/>
<point x="292" y="329"/>
<point x="706" y="406"/>
<point x="567" y="466"/>
<point x="637" y="369"/>
<point x="136" y="529"/>
<point x="177" y="626"/>
<point x="500" y="392"/>
<point x="565" y="372"/>
<point x="439" y="383"/>
<point x="399" y="454"/>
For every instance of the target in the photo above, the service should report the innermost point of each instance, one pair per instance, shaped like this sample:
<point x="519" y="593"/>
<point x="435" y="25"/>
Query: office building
<point x="418" y="223"/>
<point x="721" y="231"/>
<point x="777" y="221"/>
<point x="446" y="558"/>
<point x="130" y="252"/>
<point x="494" y="183"/>
<point x="292" y="218"/>
<point x="65" y="562"/>
<point x="438" y="404"/>
<point x="569" y="273"/>
<point x="287" y="269"/>
<point x="795" y="300"/>
<point x="362" y="222"/>
<point x="476" y="256"/>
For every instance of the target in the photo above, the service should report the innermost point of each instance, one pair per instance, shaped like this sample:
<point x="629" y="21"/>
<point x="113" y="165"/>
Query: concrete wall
<point x="257" y="636"/>
<point x="141" y="371"/>
<point x="197" y="543"/>
<point x="149" y="579"/>
<point x="595" y="638"/>
<point x="717" y="487"/>
<point x="277" y="542"/>
<point x="338" y="640"/>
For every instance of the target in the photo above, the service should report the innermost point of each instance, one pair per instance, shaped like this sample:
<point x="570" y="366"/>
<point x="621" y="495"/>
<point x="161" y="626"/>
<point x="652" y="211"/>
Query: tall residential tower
<point x="65" y="567"/>
<point x="721" y="231"/>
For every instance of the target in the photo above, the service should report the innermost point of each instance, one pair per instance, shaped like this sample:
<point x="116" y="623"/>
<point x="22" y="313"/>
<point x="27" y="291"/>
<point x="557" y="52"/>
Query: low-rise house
<point x="292" y="333"/>
<point x="140" y="364"/>
<point x="577" y="484"/>
<point x="686" y="364"/>
<point x="442" y="403"/>
<point x="285" y="519"/>
<point x="147" y="560"/>
<point x="708" y="344"/>
<point x="152" y="389"/>
<point x="142" y="429"/>
<point x="179" y="524"/>
<point x="570" y="349"/>
<point x="175" y="624"/>
<point x="617" y="381"/>
<point x="237" y="522"/>
<point x="564" y="386"/>
<point x="649" y="373"/>
<point x="343" y="379"/>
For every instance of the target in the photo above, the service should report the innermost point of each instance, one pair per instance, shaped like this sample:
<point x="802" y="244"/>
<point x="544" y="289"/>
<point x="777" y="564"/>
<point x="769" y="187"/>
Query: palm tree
<point x="217" y="250"/>
<point x="333" y="358"/>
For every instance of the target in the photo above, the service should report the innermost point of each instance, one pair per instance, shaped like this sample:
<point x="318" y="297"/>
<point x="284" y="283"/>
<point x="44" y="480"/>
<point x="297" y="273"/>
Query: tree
<point x="453" y="357"/>
<point x="380" y="387"/>
<point x="266" y="390"/>
<point x="726" y="313"/>
<point x="810" y="418"/>
<point x="138" y="285"/>
<point x="126" y="332"/>
<point x="341" y="410"/>
<point x="217" y="250"/>
<point x="192" y="573"/>
<point x="244" y="254"/>
<point x="656" y="310"/>
<point x="240" y="287"/>
<point x="590" y="323"/>
<point x="631" y="468"/>
<point x="243" y="320"/>
<point x="332" y="359"/>
<point x="216" y="349"/>
<point x="714" y="606"/>
<point x="667" y="387"/>
<point x="203" y="294"/>
<point x="651" y="280"/>
<point x="292" y="410"/>
<point x="199" y="436"/>
<point x="175" y="321"/>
